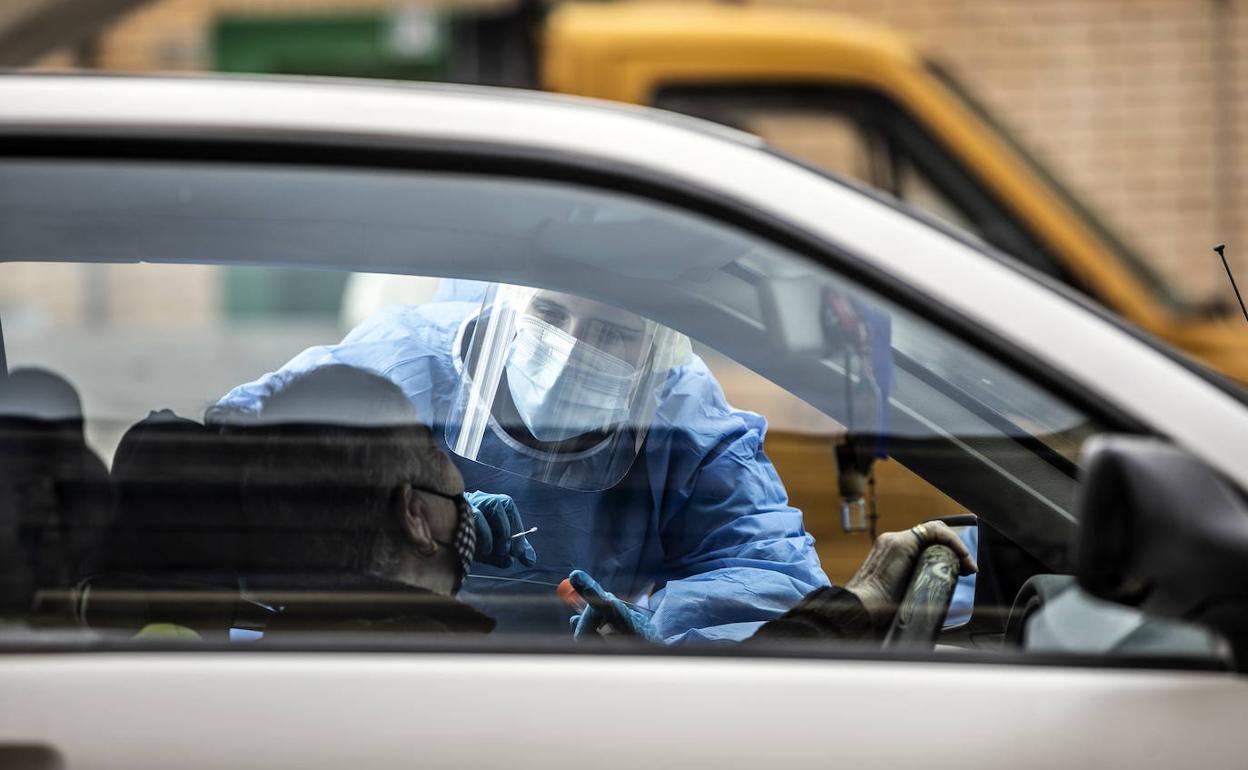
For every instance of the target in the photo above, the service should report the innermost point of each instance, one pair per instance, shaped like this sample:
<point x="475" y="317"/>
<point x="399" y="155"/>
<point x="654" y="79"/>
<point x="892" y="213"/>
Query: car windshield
<point x="247" y="404"/>
<point x="1171" y="295"/>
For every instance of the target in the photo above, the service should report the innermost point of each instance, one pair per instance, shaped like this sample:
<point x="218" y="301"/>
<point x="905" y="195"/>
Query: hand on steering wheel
<point x="881" y="581"/>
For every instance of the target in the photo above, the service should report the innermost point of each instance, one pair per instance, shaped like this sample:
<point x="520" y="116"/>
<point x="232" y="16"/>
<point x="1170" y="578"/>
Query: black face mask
<point x="465" y="539"/>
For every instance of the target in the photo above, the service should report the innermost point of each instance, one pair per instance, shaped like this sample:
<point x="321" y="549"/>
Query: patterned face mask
<point x="464" y="542"/>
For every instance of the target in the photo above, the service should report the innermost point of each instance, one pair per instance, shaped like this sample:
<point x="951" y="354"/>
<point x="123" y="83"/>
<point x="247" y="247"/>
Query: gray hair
<point x="331" y="449"/>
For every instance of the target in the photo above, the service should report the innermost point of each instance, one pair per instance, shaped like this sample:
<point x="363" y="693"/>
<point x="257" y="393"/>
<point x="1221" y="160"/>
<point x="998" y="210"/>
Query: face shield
<point x="558" y="388"/>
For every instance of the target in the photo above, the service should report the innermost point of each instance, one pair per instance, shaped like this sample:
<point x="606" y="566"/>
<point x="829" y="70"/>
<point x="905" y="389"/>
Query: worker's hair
<point x="328" y="452"/>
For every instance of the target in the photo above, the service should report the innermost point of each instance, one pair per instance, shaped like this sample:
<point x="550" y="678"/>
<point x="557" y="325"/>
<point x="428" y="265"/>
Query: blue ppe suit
<point x="699" y="531"/>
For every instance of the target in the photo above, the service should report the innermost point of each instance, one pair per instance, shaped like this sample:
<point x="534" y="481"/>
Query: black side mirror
<point x="1161" y="531"/>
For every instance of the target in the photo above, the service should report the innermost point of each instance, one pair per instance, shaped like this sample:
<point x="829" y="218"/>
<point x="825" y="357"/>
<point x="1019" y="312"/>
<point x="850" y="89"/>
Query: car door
<point x="792" y="324"/>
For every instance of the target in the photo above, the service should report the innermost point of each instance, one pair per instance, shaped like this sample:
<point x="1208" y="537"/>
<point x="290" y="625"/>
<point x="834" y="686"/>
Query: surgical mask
<point x="562" y="387"/>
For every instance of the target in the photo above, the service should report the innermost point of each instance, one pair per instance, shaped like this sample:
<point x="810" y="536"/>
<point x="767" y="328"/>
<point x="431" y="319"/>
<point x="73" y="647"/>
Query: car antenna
<point x="1221" y="249"/>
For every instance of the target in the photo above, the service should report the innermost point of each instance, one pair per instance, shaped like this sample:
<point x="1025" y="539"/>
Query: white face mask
<point x="564" y="388"/>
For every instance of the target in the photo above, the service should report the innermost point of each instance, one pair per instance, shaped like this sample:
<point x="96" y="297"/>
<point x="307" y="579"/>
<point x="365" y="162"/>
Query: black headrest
<point x="177" y="491"/>
<point x="55" y="498"/>
<point x="37" y="394"/>
<point x="158" y="444"/>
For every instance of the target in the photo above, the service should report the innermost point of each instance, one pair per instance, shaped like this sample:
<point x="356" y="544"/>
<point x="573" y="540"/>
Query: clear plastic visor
<point x="559" y="388"/>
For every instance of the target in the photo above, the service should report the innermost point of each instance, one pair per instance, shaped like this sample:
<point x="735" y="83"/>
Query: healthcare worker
<point x="601" y="429"/>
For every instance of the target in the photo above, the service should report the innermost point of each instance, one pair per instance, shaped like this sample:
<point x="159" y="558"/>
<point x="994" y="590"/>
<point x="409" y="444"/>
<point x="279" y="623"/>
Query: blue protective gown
<point x="699" y="530"/>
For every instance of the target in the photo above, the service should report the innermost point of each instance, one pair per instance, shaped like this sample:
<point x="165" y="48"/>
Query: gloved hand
<point x="881" y="581"/>
<point x="604" y="608"/>
<point x="497" y="519"/>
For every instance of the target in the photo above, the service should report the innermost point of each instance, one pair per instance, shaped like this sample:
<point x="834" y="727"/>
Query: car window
<point x="527" y="395"/>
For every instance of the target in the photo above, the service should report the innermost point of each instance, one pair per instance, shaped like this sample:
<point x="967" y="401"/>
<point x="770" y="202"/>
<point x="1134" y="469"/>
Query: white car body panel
<point x="378" y="711"/>
<point x="210" y="710"/>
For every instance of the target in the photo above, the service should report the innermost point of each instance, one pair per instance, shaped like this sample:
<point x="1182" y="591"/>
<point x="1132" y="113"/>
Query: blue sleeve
<point x="736" y="553"/>
<point x="409" y="345"/>
<point x="247" y="400"/>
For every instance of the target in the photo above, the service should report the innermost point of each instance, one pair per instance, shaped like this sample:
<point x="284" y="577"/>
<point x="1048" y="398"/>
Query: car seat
<point x="170" y="556"/>
<point x="54" y="495"/>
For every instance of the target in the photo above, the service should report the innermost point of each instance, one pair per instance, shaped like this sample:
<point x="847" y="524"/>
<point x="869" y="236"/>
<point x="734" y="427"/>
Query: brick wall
<point x="1118" y="97"/>
<point x="1123" y="99"/>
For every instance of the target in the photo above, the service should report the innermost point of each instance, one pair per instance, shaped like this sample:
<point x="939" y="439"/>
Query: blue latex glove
<point x="497" y="518"/>
<point x="604" y="608"/>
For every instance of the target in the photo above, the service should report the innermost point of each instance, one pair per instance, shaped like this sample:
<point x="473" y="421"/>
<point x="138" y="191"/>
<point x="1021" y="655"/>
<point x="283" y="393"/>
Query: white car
<point x="163" y="240"/>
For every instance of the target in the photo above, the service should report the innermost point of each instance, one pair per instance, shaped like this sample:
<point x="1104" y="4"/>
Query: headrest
<point x="37" y="394"/>
<point x="177" y="489"/>
<point x="162" y="442"/>
<point x="339" y="395"/>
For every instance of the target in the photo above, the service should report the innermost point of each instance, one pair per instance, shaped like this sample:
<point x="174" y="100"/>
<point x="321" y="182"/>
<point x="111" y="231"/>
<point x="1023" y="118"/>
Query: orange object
<point x="569" y="595"/>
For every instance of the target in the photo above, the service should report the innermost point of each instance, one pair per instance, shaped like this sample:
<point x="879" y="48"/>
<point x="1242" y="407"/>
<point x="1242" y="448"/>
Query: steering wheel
<point x="923" y="608"/>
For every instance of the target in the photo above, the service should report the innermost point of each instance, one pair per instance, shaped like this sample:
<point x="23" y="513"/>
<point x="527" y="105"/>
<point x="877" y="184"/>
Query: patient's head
<point x="346" y="481"/>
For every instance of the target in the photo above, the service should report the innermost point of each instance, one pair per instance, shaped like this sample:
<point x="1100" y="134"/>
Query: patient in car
<point x="356" y="520"/>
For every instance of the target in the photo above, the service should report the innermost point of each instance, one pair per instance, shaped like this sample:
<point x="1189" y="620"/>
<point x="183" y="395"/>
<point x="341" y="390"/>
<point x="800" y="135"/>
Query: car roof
<point x="960" y="278"/>
<point x="303" y="102"/>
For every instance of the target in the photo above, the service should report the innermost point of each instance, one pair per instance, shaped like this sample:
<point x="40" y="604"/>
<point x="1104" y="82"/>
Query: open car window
<point x="278" y="383"/>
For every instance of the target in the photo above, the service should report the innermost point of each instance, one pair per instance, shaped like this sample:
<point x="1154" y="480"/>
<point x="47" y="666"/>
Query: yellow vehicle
<point x="859" y="100"/>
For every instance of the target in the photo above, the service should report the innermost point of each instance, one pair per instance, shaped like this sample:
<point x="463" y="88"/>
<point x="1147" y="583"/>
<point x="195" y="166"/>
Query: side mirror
<point x="1161" y="531"/>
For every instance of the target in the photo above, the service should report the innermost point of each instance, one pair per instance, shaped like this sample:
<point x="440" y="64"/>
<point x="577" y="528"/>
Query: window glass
<point x="697" y="429"/>
<point x="800" y="441"/>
